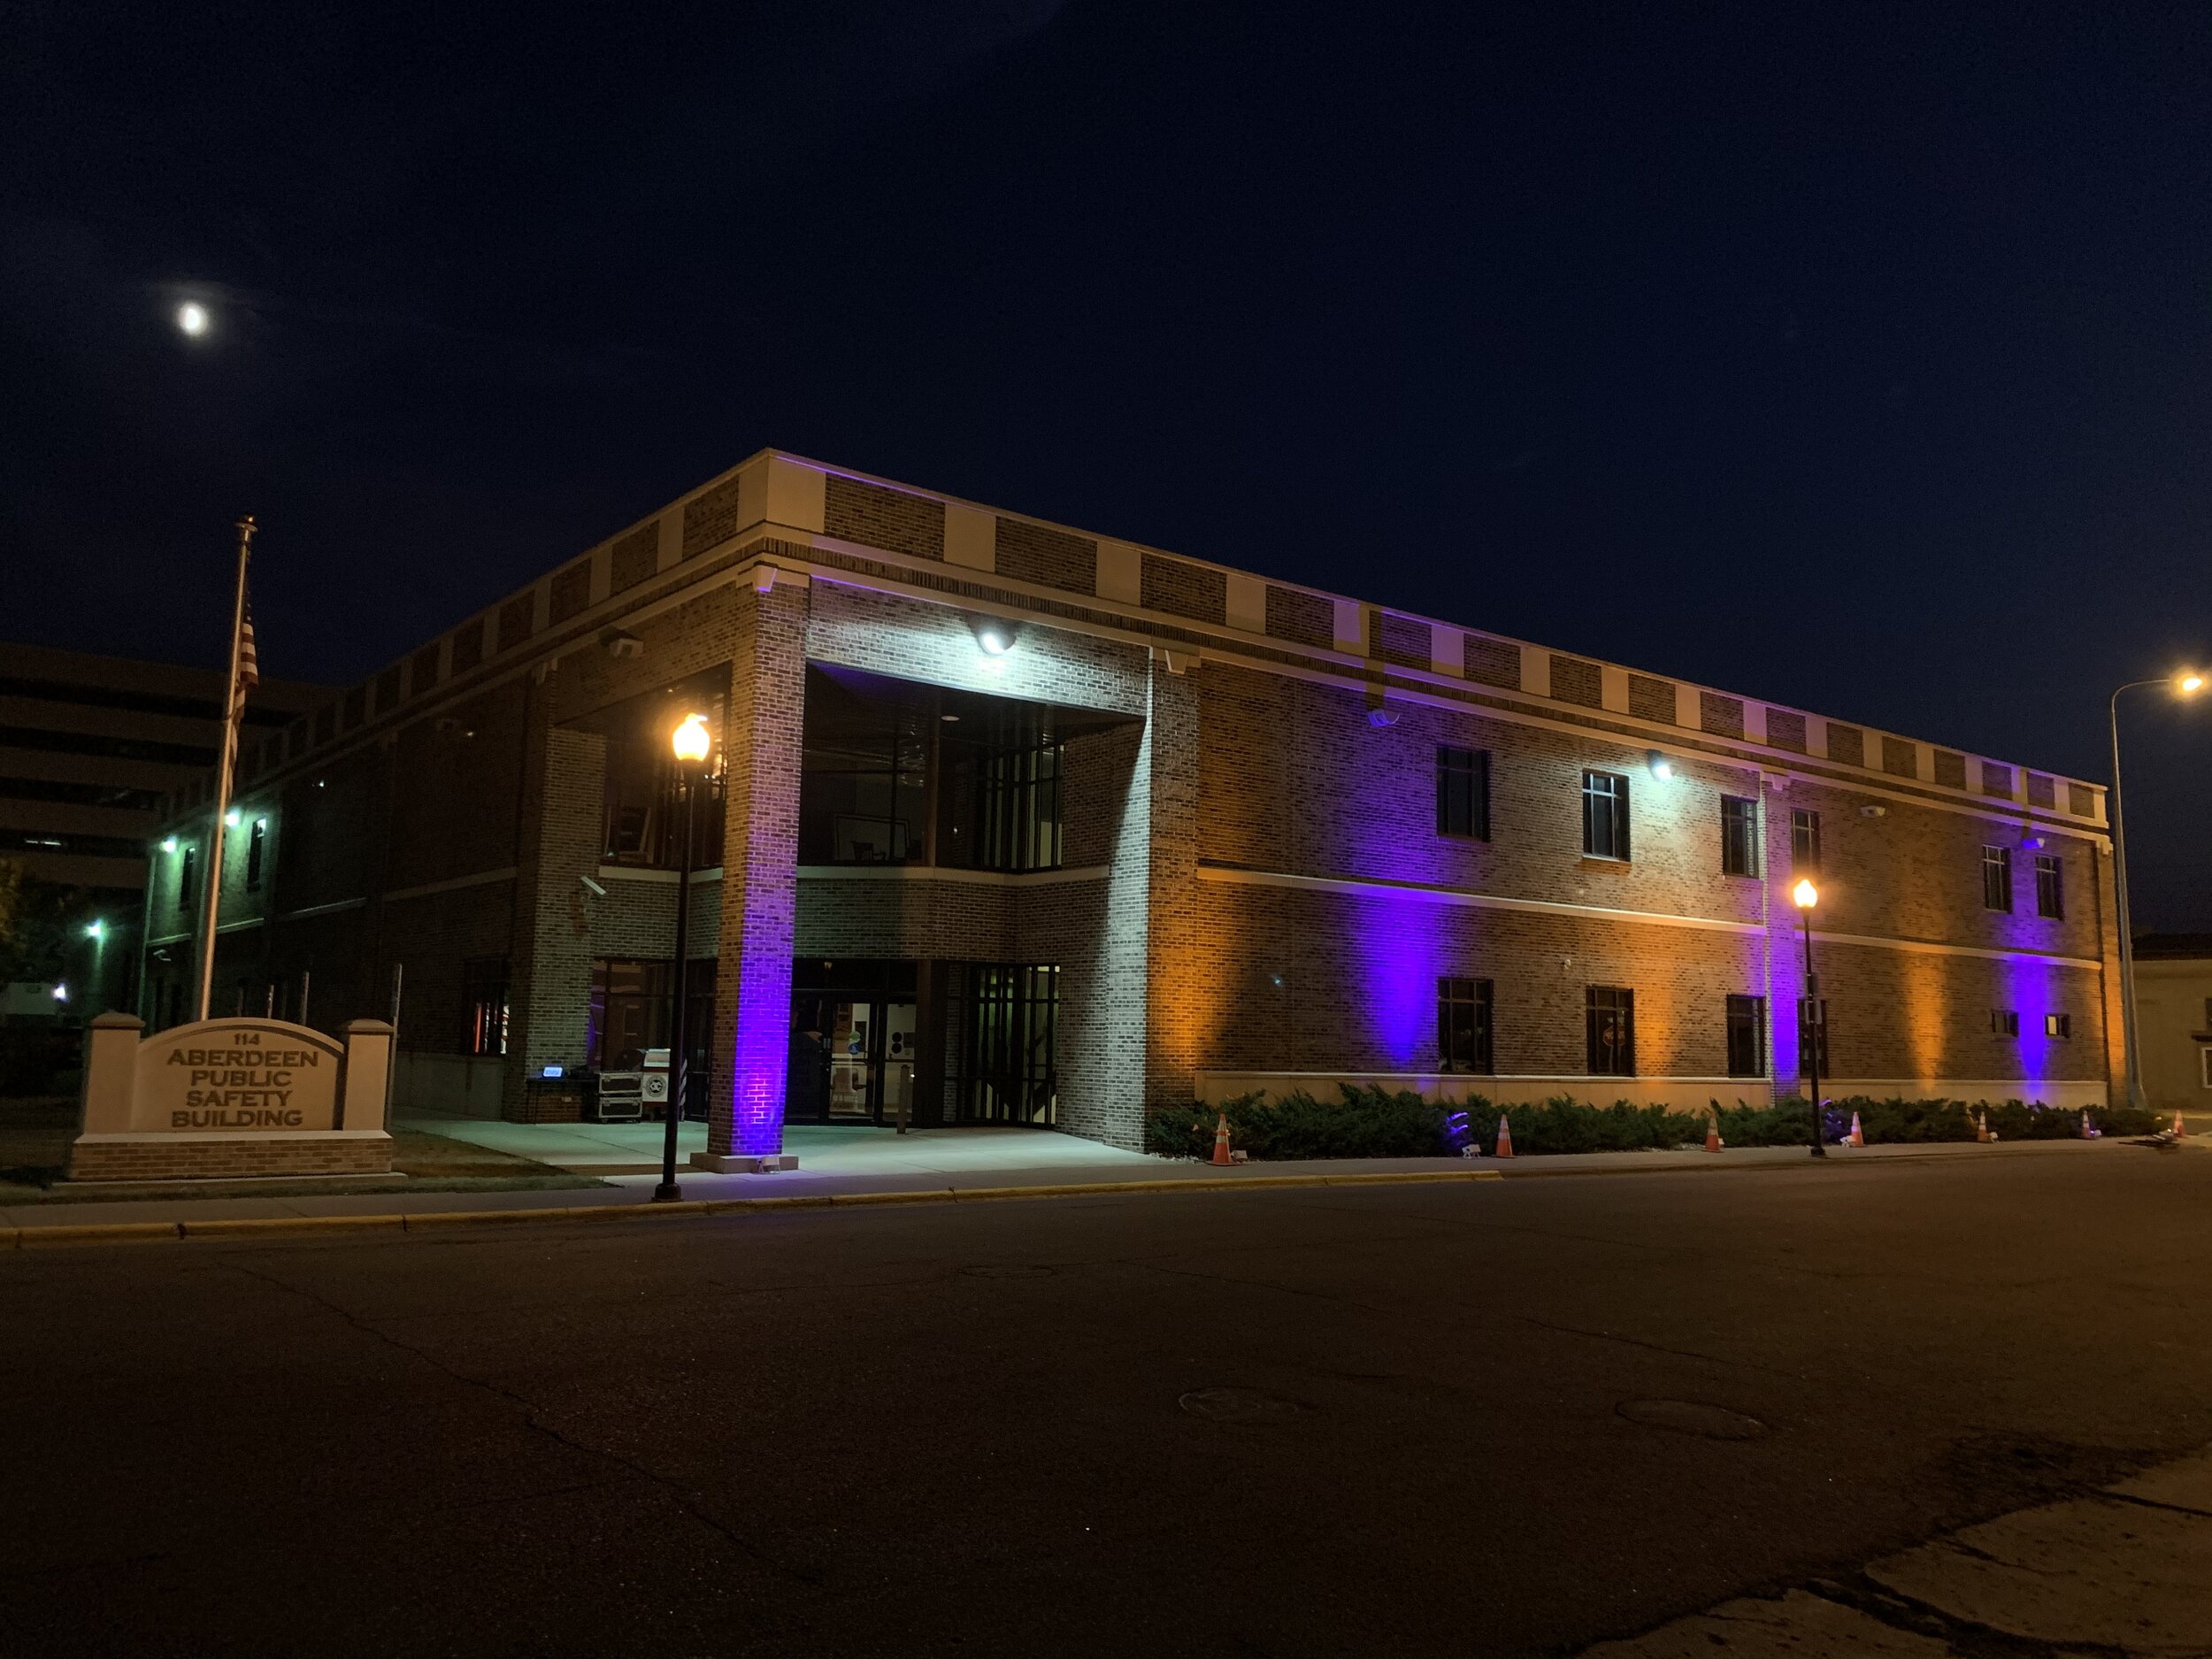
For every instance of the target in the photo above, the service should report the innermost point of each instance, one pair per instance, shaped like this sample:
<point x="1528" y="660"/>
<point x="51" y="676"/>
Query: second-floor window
<point x="1462" y="793"/>
<point x="2050" y="886"/>
<point x="2004" y="1022"/>
<point x="1610" y="1029"/>
<point x="1463" y="1024"/>
<point x="1805" y="842"/>
<point x="2058" y="1026"/>
<point x="1604" y="815"/>
<point x="187" y="876"/>
<point x="257" y="846"/>
<point x="1739" y="836"/>
<point x="1997" y="878"/>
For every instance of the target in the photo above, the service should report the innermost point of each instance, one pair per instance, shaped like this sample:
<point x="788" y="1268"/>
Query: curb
<point x="437" y="1220"/>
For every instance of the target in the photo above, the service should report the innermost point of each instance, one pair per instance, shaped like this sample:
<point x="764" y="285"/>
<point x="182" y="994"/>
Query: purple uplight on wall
<point x="1396" y="951"/>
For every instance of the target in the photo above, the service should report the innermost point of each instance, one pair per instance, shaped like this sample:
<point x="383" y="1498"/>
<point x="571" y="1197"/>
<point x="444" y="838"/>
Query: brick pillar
<point x="552" y="976"/>
<point x="1167" y="774"/>
<point x="760" y="874"/>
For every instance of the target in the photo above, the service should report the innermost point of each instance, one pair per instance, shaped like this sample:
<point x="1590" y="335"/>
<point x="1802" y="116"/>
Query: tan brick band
<point x="226" y="1158"/>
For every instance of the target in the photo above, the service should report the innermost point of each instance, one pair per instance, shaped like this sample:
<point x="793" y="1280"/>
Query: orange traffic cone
<point x="1221" y="1141"/>
<point x="2088" y="1129"/>
<point x="1857" y="1137"/>
<point x="1713" y="1142"/>
<point x="2179" y="1130"/>
<point x="1505" y="1138"/>
<point x="1981" y="1126"/>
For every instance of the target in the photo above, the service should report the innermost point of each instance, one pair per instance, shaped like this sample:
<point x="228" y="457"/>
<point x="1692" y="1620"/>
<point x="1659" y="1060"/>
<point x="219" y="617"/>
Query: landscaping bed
<point x="1378" y="1123"/>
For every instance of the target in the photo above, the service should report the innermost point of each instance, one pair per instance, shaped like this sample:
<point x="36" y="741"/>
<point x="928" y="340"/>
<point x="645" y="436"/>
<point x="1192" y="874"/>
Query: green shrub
<point x="1370" y="1123"/>
<point x="1378" y="1123"/>
<point x="1564" y="1123"/>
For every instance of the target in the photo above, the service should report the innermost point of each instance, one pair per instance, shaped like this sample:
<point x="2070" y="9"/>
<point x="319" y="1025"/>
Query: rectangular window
<point x="1009" y="1066"/>
<point x="1610" y="1028"/>
<point x="484" y="1005"/>
<point x="1739" y="836"/>
<point x="2050" y="886"/>
<point x="1604" y="815"/>
<point x="999" y="793"/>
<point x="2204" y="1064"/>
<point x="1463" y="1024"/>
<point x="1812" y="1033"/>
<point x="1997" y="878"/>
<point x="2058" y="1026"/>
<point x="1462" y="793"/>
<point x="1804" y="842"/>
<point x="1747" y="1036"/>
<point x="2004" y="1022"/>
<point x="188" y="878"/>
<point x="256" y="844"/>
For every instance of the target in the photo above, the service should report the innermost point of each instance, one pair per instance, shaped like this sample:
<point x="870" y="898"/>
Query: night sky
<point x="1857" y="358"/>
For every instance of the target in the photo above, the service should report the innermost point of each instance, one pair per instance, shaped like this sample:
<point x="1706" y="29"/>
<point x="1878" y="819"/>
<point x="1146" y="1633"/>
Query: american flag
<point x="249" y="665"/>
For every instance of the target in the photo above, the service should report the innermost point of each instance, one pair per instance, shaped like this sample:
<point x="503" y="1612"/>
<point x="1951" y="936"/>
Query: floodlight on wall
<point x="1660" y="766"/>
<point x="621" y="644"/>
<point x="168" y="843"/>
<point x="233" y="818"/>
<point x="993" y="636"/>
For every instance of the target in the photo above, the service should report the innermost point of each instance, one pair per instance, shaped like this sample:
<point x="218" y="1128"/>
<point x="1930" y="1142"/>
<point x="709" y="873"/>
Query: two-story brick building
<point x="1022" y="823"/>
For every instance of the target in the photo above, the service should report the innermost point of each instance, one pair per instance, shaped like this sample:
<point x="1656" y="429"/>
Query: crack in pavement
<point x="538" y="1424"/>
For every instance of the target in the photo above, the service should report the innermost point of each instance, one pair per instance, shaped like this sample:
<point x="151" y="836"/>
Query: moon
<point x="192" y="318"/>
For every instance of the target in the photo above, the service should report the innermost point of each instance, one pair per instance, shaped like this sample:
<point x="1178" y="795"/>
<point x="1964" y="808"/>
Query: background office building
<point x="1019" y="823"/>
<point x="89" y="747"/>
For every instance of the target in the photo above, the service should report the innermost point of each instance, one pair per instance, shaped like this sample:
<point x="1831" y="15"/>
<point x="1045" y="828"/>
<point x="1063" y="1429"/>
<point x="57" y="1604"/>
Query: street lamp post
<point x="1805" y="895"/>
<point x="691" y="744"/>
<point x="2185" y="684"/>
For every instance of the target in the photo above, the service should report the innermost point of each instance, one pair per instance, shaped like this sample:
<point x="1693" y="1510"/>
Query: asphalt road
<point x="1502" y="1418"/>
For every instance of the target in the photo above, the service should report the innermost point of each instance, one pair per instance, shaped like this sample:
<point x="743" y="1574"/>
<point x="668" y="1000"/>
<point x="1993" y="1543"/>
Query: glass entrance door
<point x="852" y="1049"/>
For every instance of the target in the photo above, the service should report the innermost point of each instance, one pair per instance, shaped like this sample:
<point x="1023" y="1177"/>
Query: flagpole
<point x="234" y="706"/>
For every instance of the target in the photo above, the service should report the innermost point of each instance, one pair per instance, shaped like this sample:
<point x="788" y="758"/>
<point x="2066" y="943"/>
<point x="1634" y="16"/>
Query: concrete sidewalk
<point x="2126" y="1569"/>
<point x="1057" y="1162"/>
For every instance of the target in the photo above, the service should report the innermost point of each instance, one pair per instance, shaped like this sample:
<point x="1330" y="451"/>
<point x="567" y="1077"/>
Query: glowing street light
<point x="2186" y="683"/>
<point x="192" y="318"/>
<point x="691" y="744"/>
<point x="1805" y="895"/>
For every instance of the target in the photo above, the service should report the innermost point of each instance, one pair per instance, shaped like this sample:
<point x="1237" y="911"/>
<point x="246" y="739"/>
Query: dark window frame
<point x="2004" y="1022"/>
<point x="188" y="876"/>
<point x="1804" y="840"/>
<point x="2058" y="1027"/>
<point x="1747" y="1031"/>
<point x="257" y="849"/>
<point x="1740" y="836"/>
<point x="1465" y="1025"/>
<point x="1609" y="1015"/>
<point x="2050" y="886"/>
<point x="1812" y="1034"/>
<point x="1997" y="878"/>
<point x="1462" y="792"/>
<point x="1605" y="817"/>
<point x="487" y="1012"/>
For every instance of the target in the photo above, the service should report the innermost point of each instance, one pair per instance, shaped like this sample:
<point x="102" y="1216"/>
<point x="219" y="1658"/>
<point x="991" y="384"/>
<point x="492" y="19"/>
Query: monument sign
<point x="231" y="1099"/>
